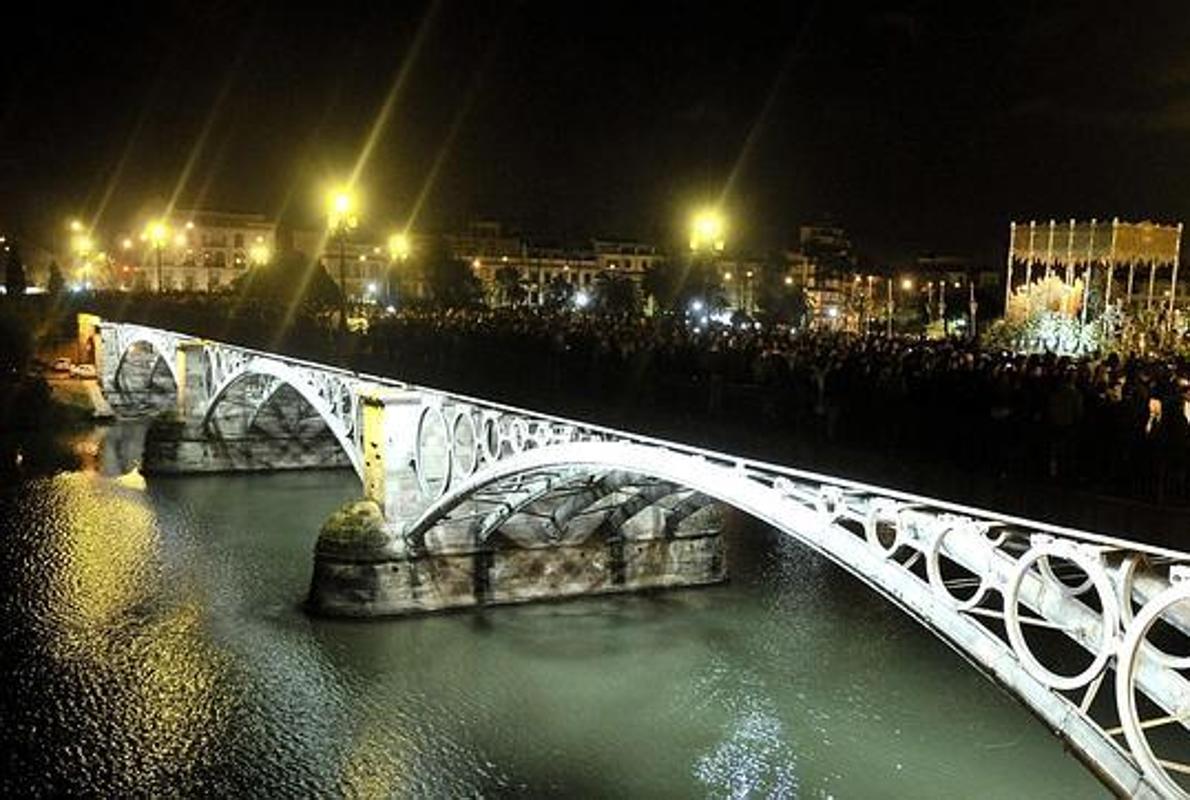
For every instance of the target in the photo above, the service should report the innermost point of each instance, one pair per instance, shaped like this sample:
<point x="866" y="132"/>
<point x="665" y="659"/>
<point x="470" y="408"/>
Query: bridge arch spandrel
<point x="332" y="395"/>
<point x="118" y="341"/>
<point x="833" y="521"/>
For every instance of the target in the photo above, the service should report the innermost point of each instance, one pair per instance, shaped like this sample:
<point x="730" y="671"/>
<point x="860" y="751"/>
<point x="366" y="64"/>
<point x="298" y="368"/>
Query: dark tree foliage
<point x="675" y="284"/>
<point x="56" y="283"/>
<point x="449" y="282"/>
<point x="14" y="272"/>
<point x="292" y="280"/>
<point x="780" y="301"/>
<point x="511" y="285"/>
<point x="616" y="293"/>
<point x="558" y="293"/>
<point x="16" y="347"/>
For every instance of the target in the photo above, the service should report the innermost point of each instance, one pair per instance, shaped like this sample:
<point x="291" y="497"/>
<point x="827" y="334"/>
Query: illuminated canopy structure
<point x="1077" y="248"/>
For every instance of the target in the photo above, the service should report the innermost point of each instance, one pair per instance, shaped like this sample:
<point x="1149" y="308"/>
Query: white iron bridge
<point x="990" y="585"/>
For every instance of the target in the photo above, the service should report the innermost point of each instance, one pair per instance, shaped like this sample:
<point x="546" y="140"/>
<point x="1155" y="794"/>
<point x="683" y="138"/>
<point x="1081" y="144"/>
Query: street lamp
<point x="341" y="219"/>
<point x="398" y="253"/>
<point x="906" y="285"/>
<point x="157" y="232"/>
<point x="258" y="254"/>
<point x="707" y="231"/>
<point x="82" y="245"/>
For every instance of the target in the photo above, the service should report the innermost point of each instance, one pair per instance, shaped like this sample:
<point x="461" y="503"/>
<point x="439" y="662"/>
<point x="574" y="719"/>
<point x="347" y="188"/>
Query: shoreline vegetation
<point x="38" y="421"/>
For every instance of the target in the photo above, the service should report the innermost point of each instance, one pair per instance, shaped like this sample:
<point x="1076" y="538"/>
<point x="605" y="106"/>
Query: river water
<point x="152" y="642"/>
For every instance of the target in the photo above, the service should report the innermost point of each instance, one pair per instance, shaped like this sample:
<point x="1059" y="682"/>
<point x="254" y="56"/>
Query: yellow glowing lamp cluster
<point x="156" y="233"/>
<point x="398" y="246"/>
<point x="259" y="254"/>
<point x="707" y="231"/>
<point x="341" y="209"/>
<point x="82" y="244"/>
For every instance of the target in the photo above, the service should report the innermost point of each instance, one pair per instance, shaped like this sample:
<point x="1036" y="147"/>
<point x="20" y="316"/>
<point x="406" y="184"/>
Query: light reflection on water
<point x="154" y="644"/>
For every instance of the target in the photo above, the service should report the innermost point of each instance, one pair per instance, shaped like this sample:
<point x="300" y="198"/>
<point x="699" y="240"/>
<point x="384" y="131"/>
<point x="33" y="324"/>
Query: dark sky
<point x="919" y="126"/>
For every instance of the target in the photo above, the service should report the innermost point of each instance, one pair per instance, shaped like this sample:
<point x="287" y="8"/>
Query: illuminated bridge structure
<point x="989" y="585"/>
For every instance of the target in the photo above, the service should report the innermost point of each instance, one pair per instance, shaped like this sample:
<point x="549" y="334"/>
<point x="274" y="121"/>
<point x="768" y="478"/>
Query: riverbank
<point x="41" y="420"/>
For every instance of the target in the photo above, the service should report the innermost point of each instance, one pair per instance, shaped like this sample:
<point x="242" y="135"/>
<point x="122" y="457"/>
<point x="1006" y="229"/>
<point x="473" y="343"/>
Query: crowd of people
<point x="1110" y="424"/>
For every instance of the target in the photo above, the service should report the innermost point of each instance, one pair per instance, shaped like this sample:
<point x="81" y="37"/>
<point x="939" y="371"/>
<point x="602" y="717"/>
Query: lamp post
<point x="341" y="219"/>
<point x="398" y="253"/>
<point x="156" y="233"/>
<point x="707" y="229"/>
<point x="82" y="245"/>
<point x="890" y="306"/>
<point x="972" y="306"/>
<point x="906" y="285"/>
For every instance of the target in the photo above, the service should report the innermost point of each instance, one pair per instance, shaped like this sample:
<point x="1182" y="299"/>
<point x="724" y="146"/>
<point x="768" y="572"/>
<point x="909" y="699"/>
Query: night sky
<point x="920" y="127"/>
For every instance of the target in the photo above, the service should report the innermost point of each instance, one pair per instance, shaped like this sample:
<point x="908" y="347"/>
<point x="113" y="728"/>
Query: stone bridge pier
<point x="440" y="528"/>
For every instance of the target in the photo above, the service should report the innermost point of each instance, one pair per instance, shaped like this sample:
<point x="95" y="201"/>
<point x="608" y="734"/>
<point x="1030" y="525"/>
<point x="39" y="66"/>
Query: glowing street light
<point x="82" y="246"/>
<point x="907" y="284"/>
<point x="581" y="299"/>
<point x="707" y="231"/>
<point x="341" y="209"/>
<point x="258" y="254"/>
<point x="342" y="217"/>
<point x="398" y="246"/>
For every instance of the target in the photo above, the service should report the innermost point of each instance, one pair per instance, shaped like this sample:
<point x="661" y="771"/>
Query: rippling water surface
<point x="152" y="642"/>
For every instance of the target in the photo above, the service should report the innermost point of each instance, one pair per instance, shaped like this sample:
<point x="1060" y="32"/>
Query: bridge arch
<point x="334" y="401"/>
<point x="1127" y="767"/>
<point x="162" y="353"/>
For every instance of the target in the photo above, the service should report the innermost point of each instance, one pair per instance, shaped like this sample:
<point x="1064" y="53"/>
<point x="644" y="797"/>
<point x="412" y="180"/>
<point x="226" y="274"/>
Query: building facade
<point x="194" y="251"/>
<point x="361" y="266"/>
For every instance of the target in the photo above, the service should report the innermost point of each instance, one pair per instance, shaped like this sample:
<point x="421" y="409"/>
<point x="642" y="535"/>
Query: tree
<point x="510" y="285"/>
<point x="292" y="280"/>
<point x="449" y="282"/>
<point x="558" y="293"/>
<point x="674" y="285"/>
<point x="661" y="281"/>
<point x="616" y="293"/>
<point x="56" y="284"/>
<point x="16" y="349"/>
<point x="14" y="272"/>
<point x="782" y="301"/>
